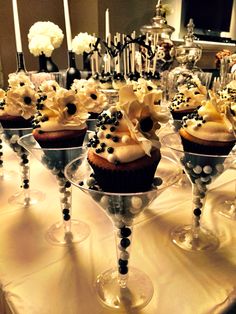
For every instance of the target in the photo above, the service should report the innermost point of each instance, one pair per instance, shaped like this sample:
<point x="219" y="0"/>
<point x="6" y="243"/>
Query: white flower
<point x="19" y="79"/>
<point x="83" y="42"/>
<point x="44" y="37"/>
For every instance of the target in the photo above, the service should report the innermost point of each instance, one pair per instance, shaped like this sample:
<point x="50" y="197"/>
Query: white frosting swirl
<point x="213" y="121"/>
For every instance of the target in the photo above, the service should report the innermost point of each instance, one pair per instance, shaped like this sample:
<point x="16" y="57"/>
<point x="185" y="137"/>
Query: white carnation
<point x="41" y="44"/>
<point x="44" y="36"/>
<point x="83" y="42"/>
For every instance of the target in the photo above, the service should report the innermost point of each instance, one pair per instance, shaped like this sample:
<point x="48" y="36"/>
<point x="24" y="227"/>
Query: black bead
<point x="122" y="262"/>
<point x="197" y="212"/>
<point x="115" y="139"/>
<point x="67" y="184"/>
<point x="125" y="242"/>
<point x="108" y="136"/>
<point x="125" y="232"/>
<point x="123" y="270"/>
<point x="66" y="217"/>
<point x="110" y="150"/>
<point x="65" y="211"/>
<point x="93" y="96"/>
<point x="112" y="129"/>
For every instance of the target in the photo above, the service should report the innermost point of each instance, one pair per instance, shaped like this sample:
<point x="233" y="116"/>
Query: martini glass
<point x="121" y="287"/>
<point x="67" y="230"/>
<point x="4" y="174"/>
<point x="201" y="170"/>
<point x="26" y="196"/>
<point x="228" y="209"/>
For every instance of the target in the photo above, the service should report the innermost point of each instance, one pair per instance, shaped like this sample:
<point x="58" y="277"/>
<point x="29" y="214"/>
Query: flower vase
<point x="46" y="64"/>
<point x="86" y="62"/>
<point x="20" y="62"/>
<point x="72" y="72"/>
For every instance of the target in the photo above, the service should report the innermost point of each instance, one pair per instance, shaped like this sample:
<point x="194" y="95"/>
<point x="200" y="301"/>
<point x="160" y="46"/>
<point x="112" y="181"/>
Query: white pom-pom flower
<point x="83" y="42"/>
<point x="44" y="37"/>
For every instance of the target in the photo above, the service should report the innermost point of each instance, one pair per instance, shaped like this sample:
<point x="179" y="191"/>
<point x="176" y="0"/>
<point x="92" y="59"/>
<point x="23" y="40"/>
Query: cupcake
<point x="125" y="150"/>
<point x="229" y="92"/>
<point x="211" y="129"/>
<point x="18" y="103"/>
<point x="90" y="96"/>
<point x="61" y="118"/>
<point x="188" y="98"/>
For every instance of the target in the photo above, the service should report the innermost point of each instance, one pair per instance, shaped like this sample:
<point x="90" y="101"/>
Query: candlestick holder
<point x="72" y="72"/>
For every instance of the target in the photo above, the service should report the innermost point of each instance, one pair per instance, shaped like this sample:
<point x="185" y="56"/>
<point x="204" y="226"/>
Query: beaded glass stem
<point x="201" y="170"/>
<point x="66" y="230"/>
<point x="122" y="287"/>
<point x="26" y="196"/>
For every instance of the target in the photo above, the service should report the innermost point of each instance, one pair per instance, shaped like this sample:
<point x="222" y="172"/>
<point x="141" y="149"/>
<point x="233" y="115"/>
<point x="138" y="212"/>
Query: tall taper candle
<point x="67" y="23"/>
<point x="107" y="24"/>
<point x="16" y="26"/>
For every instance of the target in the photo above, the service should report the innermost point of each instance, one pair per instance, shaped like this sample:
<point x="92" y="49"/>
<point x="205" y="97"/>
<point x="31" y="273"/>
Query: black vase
<point x="46" y="64"/>
<point x="86" y="62"/>
<point x="20" y="62"/>
<point x="72" y="72"/>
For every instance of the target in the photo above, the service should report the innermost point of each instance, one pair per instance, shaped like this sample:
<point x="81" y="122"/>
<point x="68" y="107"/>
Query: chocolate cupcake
<point x="125" y="150"/>
<point x="61" y="119"/>
<point x="18" y="103"/>
<point x="211" y="129"/>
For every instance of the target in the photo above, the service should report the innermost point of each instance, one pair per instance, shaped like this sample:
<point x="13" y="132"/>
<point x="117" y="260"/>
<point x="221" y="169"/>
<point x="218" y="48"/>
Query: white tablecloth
<point x="39" y="278"/>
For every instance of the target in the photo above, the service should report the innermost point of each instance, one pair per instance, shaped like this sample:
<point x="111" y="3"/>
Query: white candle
<point x="67" y="23"/>
<point x="107" y="24"/>
<point x="16" y="26"/>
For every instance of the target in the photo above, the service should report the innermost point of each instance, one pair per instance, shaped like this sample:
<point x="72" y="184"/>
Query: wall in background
<point x="86" y="15"/>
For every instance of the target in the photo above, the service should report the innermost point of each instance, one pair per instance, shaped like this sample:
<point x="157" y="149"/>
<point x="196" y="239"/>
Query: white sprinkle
<point x="100" y="134"/>
<point x="220" y="168"/>
<point x="111" y="158"/>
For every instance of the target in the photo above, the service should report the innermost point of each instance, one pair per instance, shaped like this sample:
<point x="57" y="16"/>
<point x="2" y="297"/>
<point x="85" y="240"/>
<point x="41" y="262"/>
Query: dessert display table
<point x="39" y="278"/>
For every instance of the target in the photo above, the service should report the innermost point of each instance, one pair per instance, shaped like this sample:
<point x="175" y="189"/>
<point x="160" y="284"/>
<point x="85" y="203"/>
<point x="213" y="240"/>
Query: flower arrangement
<point x="83" y="42"/>
<point x="44" y="37"/>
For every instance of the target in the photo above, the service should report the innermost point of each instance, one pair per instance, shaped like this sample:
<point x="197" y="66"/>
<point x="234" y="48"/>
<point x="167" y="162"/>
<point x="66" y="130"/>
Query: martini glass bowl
<point x="67" y="230"/>
<point x="26" y="196"/>
<point x="201" y="170"/>
<point x="122" y="287"/>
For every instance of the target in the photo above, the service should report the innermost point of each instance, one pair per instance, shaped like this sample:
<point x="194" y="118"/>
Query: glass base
<point x="229" y="211"/>
<point x="184" y="238"/>
<point x="29" y="198"/>
<point x="57" y="235"/>
<point x="136" y="295"/>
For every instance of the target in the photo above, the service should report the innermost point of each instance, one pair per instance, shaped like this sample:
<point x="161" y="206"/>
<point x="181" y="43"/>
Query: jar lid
<point x="159" y="23"/>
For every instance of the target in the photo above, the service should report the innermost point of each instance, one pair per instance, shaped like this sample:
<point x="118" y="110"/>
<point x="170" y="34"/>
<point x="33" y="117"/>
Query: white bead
<point x="90" y="181"/>
<point x="220" y="168"/>
<point x="197" y="169"/>
<point x="136" y="202"/>
<point x="100" y="134"/>
<point x="125" y="139"/>
<point x="207" y="169"/>
<point x="104" y="201"/>
<point x="111" y="158"/>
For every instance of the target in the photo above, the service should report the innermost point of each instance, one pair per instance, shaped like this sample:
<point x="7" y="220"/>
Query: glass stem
<point x="66" y="200"/>
<point x="198" y="199"/>
<point x="123" y="237"/>
<point x="25" y="174"/>
<point x="1" y="158"/>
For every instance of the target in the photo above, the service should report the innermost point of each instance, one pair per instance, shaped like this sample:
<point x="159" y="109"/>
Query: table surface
<point x="37" y="277"/>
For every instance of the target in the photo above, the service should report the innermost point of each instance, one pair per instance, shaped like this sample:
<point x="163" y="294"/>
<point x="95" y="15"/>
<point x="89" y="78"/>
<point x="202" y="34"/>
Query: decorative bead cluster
<point x="23" y="155"/>
<point x="106" y="122"/>
<point x="56" y="167"/>
<point x="1" y="157"/>
<point x="123" y="234"/>
<point x="194" y="116"/>
<point x="201" y="174"/>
